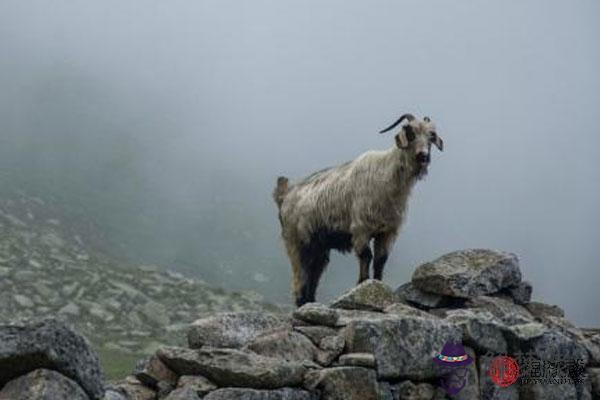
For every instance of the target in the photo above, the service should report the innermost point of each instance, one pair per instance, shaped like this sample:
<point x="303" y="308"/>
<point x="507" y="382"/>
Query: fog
<point x="167" y="123"/>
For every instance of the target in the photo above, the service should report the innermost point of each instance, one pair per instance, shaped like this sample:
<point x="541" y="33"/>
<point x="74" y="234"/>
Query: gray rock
<point x="541" y="310"/>
<point x="548" y="392"/>
<point x="184" y="393"/>
<point x="589" y="339"/>
<point x="133" y="389"/>
<point x="400" y="348"/>
<point x="152" y="370"/>
<point x="594" y="377"/>
<point x="199" y="384"/>
<point x="331" y="347"/>
<point x="232" y="330"/>
<point x="366" y="360"/>
<point x="411" y="294"/>
<point x="408" y="390"/>
<point x="23" y="301"/>
<point x="252" y="394"/>
<point x="521" y="293"/>
<point x="284" y="344"/>
<point x="405" y="309"/>
<point x="481" y="329"/>
<point x="42" y="384"/>
<point x="317" y="314"/>
<point x="114" y="394"/>
<point x="371" y="295"/>
<point x="231" y="367"/>
<point x="316" y="333"/>
<point x="505" y="310"/>
<point x="347" y="316"/>
<point x="52" y="345"/>
<point x="592" y="344"/>
<point x="344" y="383"/>
<point x="471" y="389"/>
<point x="468" y="273"/>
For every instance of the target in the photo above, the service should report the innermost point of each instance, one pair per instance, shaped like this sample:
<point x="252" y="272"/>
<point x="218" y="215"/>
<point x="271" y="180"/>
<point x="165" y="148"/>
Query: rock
<point x="232" y="330"/>
<point x="471" y="389"/>
<point x="252" y="394"/>
<point x="184" y="393"/>
<point x="371" y="294"/>
<point x="594" y="377"/>
<point x="316" y="333"/>
<point x="400" y="348"/>
<point x="405" y="309"/>
<point x="199" y="384"/>
<point x="592" y="344"/>
<point x="521" y="293"/>
<point x="407" y="390"/>
<point x="518" y="333"/>
<point x="488" y="389"/>
<point x="331" y="347"/>
<point x="317" y="314"/>
<point x="284" y="344"/>
<point x="366" y="360"/>
<point x="42" y="384"/>
<point x="554" y="345"/>
<point x="114" y="394"/>
<point x="468" y="273"/>
<point x="23" y="301"/>
<point x="411" y="294"/>
<point x="344" y="383"/>
<point x="52" y="345"/>
<point x="548" y="392"/>
<point x="152" y="370"/>
<point x="135" y="390"/>
<point x="347" y="316"/>
<point x="70" y="309"/>
<point x="587" y="339"/>
<point x="481" y="329"/>
<point x="505" y="310"/>
<point x="541" y="310"/>
<point x="231" y="367"/>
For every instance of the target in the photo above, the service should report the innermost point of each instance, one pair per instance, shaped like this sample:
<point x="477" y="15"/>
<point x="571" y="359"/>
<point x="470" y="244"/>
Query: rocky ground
<point x="371" y="343"/>
<point x="48" y="268"/>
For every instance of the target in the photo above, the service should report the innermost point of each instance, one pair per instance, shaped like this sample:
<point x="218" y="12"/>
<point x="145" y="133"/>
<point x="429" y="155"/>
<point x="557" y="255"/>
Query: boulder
<point x="504" y="309"/>
<point x="412" y="295"/>
<point x="400" y="347"/>
<point x="594" y="377"/>
<point x="344" y="383"/>
<point x="316" y="333"/>
<point x="152" y="370"/>
<point x="481" y="329"/>
<point x="42" y="384"/>
<point x="284" y="344"/>
<point x="330" y="348"/>
<point x="468" y="273"/>
<point x="408" y="390"/>
<point x="49" y="344"/>
<point x="133" y="389"/>
<point x="317" y="314"/>
<point x="252" y="394"/>
<point x="520" y="293"/>
<point x="366" y="360"/>
<point x="184" y="393"/>
<point x="231" y="367"/>
<point x="405" y="309"/>
<point x="232" y="330"/>
<point x="199" y="384"/>
<point x="542" y="310"/>
<point x="371" y="295"/>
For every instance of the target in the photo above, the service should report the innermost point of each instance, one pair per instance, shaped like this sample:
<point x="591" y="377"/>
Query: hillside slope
<point x="47" y="268"/>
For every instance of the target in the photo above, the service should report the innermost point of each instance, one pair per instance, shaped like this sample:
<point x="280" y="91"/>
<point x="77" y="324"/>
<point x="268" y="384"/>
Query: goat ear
<point x="405" y="137"/>
<point x="439" y="143"/>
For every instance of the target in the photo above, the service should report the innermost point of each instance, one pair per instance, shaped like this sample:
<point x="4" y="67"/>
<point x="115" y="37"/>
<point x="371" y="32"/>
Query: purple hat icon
<point x="453" y="355"/>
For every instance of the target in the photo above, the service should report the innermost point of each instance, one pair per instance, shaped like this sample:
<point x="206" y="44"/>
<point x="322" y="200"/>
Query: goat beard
<point x="421" y="172"/>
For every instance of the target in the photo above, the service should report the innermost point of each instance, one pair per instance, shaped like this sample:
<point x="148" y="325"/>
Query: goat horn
<point x="409" y="117"/>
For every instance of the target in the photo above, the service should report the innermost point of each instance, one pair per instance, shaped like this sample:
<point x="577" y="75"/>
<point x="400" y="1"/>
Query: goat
<point x="347" y="206"/>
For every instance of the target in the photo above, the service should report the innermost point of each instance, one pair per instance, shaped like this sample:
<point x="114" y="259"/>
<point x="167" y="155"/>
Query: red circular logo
<point x="504" y="371"/>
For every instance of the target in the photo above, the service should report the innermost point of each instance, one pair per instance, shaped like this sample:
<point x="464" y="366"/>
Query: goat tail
<point x="281" y="190"/>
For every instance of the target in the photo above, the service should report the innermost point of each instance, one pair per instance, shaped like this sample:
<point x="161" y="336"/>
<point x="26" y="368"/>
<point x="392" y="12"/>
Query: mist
<point x="167" y="124"/>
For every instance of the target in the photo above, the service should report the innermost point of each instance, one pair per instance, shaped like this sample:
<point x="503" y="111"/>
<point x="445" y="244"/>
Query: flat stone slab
<point x="468" y="273"/>
<point x="252" y="394"/>
<point x="42" y="384"/>
<point x="232" y="367"/>
<point x="232" y="330"/>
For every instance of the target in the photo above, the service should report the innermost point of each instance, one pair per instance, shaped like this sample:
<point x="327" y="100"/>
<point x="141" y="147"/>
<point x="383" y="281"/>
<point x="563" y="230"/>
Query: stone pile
<point x="372" y="342"/>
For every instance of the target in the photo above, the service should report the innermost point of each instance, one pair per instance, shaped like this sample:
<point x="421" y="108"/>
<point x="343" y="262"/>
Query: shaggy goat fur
<point x="344" y="207"/>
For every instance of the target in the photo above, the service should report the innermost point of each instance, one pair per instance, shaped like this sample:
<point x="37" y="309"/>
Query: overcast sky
<point x="262" y="88"/>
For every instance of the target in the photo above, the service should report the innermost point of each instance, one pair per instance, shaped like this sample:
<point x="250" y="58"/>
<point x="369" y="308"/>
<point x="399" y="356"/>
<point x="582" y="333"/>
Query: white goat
<point x="344" y="207"/>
